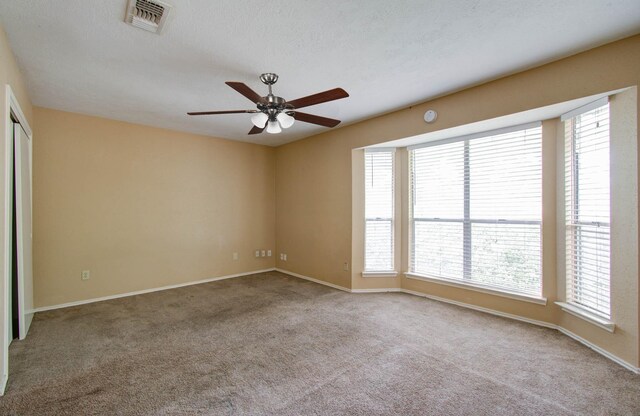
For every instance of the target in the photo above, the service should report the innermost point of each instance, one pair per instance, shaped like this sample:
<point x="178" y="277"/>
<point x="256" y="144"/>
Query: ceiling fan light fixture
<point x="259" y="120"/>
<point x="285" y="120"/>
<point x="273" y="127"/>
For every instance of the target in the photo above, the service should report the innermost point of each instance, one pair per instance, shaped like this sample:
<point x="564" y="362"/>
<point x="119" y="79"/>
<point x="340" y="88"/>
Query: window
<point x="587" y="209"/>
<point x="379" y="210"/>
<point x="477" y="209"/>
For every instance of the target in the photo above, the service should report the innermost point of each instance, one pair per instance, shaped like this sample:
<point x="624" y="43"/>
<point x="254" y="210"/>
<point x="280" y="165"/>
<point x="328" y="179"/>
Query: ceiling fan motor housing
<point x="272" y="105"/>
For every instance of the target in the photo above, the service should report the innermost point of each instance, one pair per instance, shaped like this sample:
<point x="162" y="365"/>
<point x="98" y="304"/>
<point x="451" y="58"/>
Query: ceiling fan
<point x="275" y="113"/>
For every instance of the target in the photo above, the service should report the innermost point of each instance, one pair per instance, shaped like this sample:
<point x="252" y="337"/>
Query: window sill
<point x="479" y="288"/>
<point x="380" y="274"/>
<point x="590" y="317"/>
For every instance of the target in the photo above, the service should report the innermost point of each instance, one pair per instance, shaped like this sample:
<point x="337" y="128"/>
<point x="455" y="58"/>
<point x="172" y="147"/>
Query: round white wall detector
<point x="430" y="116"/>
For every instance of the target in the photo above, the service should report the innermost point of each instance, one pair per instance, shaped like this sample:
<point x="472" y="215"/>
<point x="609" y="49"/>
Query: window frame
<point x="392" y="220"/>
<point x="467" y="221"/>
<point x="574" y="226"/>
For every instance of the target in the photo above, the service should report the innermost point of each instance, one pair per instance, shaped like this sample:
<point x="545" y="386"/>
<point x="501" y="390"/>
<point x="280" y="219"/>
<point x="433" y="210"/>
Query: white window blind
<point x="379" y="210"/>
<point x="587" y="210"/>
<point x="477" y="209"/>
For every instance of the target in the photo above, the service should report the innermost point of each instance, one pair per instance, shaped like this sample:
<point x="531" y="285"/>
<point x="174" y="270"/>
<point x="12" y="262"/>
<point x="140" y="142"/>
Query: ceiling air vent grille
<point x="149" y="15"/>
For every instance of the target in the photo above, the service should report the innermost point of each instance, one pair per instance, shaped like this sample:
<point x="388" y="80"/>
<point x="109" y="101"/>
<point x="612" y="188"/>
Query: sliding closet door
<point x="24" y="227"/>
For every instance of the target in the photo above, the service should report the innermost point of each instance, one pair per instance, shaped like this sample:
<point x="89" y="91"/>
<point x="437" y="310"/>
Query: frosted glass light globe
<point x="273" y="127"/>
<point x="285" y="120"/>
<point x="259" y="120"/>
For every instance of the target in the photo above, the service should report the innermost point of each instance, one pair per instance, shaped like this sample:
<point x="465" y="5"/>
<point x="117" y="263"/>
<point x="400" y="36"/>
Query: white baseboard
<point x="481" y="309"/>
<point x="382" y="290"/>
<point x="311" y="279"/>
<point x="140" y="292"/>
<point x="599" y="350"/>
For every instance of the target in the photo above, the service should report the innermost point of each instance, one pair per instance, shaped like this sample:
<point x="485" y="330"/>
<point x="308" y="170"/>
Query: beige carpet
<point x="273" y="344"/>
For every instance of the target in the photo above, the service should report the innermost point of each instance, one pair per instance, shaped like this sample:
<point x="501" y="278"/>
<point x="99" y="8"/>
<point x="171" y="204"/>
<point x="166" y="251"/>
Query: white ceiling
<point x="79" y="55"/>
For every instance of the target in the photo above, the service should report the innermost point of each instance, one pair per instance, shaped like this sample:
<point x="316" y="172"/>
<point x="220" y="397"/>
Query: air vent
<point x="148" y="15"/>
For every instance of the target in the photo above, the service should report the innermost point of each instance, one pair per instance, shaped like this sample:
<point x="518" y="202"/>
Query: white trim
<point x="8" y="213"/>
<point x="14" y="105"/>
<point x="481" y="309"/>
<point x="379" y="274"/>
<point x="599" y="350"/>
<point x="379" y="149"/>
<point x="11" y="106"/>
<point x="311" y="279"/>
<point x="588" y="107"/>
<point x="577" y="311"/>
<point x="478" y="288"/>
<point x="488" y="133"/>
<point x="140" y="292"/>
<point x="381" y="290"/>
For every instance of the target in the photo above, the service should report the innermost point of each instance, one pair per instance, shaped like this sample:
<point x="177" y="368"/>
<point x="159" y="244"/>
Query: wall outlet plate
<point x="86" y="274"/>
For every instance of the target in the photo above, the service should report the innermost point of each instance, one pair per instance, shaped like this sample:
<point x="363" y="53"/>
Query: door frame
<point x="12" y="107"/>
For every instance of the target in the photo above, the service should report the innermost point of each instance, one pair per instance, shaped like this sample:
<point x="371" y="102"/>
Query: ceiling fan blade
<point x="310" y="118"/>
<point x="321" y="97"/>
<point x="244" y="89"/>
<point x="256" y="130"/>
<point x="206" y="113"/>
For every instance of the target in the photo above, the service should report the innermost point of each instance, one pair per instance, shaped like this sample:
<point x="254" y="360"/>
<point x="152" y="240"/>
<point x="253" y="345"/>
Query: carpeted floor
<point x="277" y="345"/>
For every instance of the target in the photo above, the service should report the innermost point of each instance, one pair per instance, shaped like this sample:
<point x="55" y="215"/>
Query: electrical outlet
<point x="235" y="256"/>
<point x="268" y="253"/>
<point x="257" y="253"/>
<point x="264" y="253"/>
<point x="281" y="256"/>
<point x="345" y="266"/>
<point x="285" y="257"/>
<point x="86" y="274"/>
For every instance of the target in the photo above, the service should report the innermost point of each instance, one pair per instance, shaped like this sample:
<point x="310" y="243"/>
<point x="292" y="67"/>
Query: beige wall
<point x="313" y="221"/>
<point x="314" y="197"/>
<point x="142" y="207"/>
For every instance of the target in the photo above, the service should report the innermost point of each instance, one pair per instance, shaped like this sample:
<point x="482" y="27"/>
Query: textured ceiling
<point x="79" y="55"/>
